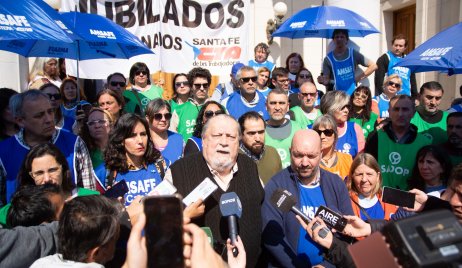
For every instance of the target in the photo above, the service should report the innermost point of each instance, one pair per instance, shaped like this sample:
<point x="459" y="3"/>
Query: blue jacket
<point x="281" y="230"/>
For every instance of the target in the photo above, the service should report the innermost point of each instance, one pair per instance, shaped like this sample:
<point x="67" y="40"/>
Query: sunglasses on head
<point x="247" y="79"/>
<point x="327" y="132"/>
<point x="159" y="116"/>
<point x="390" y="83"/>
<point x="120" y="84"/>
<point x="210" y="114"/>
<point x="141" y="72"/>
<point x="182" y="83"/>
<point x="198" y="86"/>
<point x="56" y="96"/>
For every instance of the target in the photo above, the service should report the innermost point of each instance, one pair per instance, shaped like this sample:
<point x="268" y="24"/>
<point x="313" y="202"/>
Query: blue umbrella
<point x="31" y="28"/>
<point x="442" y="52"/>
<point x="101" y="38"/>
<point x="321" y="21"/>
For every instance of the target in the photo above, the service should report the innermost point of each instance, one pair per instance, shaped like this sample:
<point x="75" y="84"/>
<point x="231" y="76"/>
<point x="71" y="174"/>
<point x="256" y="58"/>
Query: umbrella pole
<point x="78" y="75"/>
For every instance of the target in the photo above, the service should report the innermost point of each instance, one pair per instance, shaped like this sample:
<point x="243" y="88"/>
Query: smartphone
<point x="117" y="190"/>
<point x="164" y="231"/>
<point x="398" y="197"/>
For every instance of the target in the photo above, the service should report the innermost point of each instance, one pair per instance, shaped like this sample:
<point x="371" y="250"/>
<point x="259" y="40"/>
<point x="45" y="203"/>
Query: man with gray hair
<point x="35" y="116"/>
<point x="231" y="171"/>
<point x="248" y="98"/>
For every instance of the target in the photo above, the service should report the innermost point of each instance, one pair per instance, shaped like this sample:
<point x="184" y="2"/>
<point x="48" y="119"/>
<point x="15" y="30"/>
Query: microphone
<point x="230" y="207"/>
<point x="285" y="202"/>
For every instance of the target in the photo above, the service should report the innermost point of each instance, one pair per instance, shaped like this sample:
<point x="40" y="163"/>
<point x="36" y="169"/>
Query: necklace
<point x="326" y="162"/>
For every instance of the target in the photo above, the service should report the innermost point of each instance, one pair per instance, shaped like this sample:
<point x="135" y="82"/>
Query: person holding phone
<point x="132" y="156"/>
<point x="365" y="183"/>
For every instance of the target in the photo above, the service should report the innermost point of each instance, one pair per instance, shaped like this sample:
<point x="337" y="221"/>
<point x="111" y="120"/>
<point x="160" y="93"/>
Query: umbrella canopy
<point x="442" y="52"/>
<point x="321" y="21"/>
<point x="31" y="26"/>
<point x="101" y="38"/>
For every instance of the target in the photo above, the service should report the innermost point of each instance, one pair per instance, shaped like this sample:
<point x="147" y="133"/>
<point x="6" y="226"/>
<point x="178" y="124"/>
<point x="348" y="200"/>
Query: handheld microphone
<point x="285" y="202"/>
<point x="230" y="207"/>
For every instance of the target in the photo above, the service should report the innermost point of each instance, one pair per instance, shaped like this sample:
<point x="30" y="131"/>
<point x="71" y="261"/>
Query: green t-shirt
<point x="397" y="160"/>
<point x="301" y="119"/>
<point x="282" y="146"/>
<point x="435" y="132"/>
<point x="97" y="158"/>
<point x="368" y="126"/>
<point x="132" y="106"/>
<point x="187" y="114"/>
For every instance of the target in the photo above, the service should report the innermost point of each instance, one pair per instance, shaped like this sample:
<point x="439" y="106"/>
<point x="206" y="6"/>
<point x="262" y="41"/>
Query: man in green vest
<point x="399" y="142"/>
<point x="184" y="117"/>
<point x="453" y="146"/>
<point x="279" y="129"/>
<point x="429" y="119"/>
<point x="306" y="113"/>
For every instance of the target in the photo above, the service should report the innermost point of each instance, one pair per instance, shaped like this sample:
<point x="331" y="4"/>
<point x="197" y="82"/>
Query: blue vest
<point x="255" y="65"/>
<point x="383" y="105"/>
<point x="72" y="111"/>
<point x="344" y="72"/>
<point x="236" y="107"/>
<point x="12" y="154"/>
<point x="197" y="141"/>
<point x="68" y="123"/>
<point x="403" y="72"/>
<point x="348" y="143"/>
<point x="174" y="149"/>
<point x="139" y="182"/>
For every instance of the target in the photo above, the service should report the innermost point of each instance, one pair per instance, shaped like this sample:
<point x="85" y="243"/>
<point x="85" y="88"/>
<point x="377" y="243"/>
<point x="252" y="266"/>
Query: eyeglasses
<point x="120" y="84"/>
<point x="141" y="72"/>
<point x="359" y="95"/>
<point x="308" y="94"/>
<point x="159" y="116"/>
<point x="56" y="96"/>
<point x="199" y="86"/>
<point x="247" y="79"/>
<point x="305" y="76"/>
<point x="182" y="83"/>
<point x="210" y="114"/>
<point x="39" y="175"/>
<point x="283" y="81"/>
<point x="390" y="83"/>
<point x="101" y="122"/>
<point x="327" y="132"/>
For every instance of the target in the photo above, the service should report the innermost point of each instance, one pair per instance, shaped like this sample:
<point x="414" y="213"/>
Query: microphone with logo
<point x="230" y="207"/>
<point x="285" y="202"/>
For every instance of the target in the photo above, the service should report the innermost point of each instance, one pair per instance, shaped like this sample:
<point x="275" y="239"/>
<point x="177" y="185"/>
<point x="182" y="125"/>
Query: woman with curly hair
<point x="361" y="110"/>
<point x="131" y="156"/>
<point x="209" y="110"/>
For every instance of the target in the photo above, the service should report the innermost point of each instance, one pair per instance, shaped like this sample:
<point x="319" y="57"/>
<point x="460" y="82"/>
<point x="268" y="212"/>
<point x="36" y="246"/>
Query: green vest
<point x="153" y="92"/>
<point x="435" y="132"/>
<point x="300" y="117"/>
<point x="368" y="126"/>
<point x="397" y="160"/>
<point x="282" y="146"/>
<point x="187" y="114"/>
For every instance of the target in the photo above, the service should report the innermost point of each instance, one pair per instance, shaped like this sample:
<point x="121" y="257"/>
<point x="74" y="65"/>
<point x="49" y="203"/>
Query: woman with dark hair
<point x="131" y="156"/>
<point x="209" y="110"/>
<point x="431" y="171"/>
<point x="112" y="102"/>
<point x="70" y="98"/>
<point x="8" y="125"/>
<point x="45" y="163"/>
<point x="54" y="94"/>
<point x="361" y="110"/>
<point x="181" y="90"/>
<point x="294" y="63"/>
<point x="365" y="185"/>
<point x="142" y="90"/>
<point x="169" y="143"/>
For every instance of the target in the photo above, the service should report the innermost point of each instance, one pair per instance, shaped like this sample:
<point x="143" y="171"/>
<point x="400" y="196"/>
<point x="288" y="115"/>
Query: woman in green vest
<point x="181" y="90"/>
<point x="361" y="111"/>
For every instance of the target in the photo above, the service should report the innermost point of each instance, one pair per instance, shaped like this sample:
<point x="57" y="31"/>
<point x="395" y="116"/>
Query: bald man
<point x="283" y="238"/>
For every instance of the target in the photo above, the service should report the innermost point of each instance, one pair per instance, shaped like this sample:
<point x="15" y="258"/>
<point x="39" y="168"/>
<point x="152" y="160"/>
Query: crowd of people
<point x="266" y="128"/>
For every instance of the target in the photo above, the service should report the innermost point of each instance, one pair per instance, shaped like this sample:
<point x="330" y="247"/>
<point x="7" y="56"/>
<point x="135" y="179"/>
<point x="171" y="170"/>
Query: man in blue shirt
<point x="261" y="58"/>
<point x="286" y="241"/>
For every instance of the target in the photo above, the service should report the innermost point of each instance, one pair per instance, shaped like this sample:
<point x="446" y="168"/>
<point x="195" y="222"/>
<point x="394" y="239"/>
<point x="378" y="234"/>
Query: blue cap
<point x="236" y="67"/>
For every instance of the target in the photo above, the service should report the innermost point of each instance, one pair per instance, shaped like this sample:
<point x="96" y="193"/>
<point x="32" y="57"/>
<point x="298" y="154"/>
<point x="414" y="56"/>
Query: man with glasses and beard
<point x="184" y="117"/>
<point x="253" y="145"/>
<point x="248" y="98"/>
<point x="429" y="119"/>
<point x="231" y="172"/>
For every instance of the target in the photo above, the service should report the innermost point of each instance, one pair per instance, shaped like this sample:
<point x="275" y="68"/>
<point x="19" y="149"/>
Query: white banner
<point x="212" y="34"/>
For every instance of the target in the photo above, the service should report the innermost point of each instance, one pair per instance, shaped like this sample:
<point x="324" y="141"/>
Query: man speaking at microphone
<point x="231" y="172"/>
<point x="286" y="243"/>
